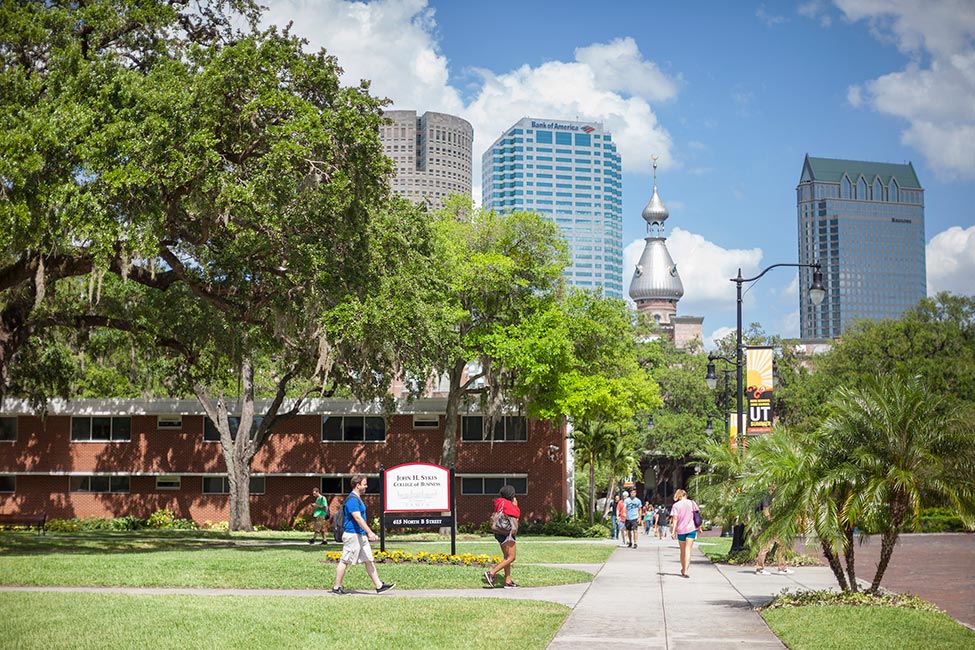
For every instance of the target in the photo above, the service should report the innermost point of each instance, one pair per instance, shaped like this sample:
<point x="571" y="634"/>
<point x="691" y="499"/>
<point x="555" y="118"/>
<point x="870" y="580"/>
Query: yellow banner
<point x="759" y="389"/>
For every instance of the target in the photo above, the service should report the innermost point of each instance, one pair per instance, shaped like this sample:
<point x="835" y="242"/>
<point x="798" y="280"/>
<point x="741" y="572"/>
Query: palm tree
<point x="591" y="442"/>
<point x="622" y="459"/>
<point x="719" y="484"/>
<point x="902" y="442"/>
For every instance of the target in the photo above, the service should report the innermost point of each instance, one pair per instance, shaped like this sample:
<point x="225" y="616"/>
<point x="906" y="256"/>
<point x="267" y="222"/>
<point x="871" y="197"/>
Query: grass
<point x="715" y="548"/>
<point x="866" y="628"/>
<point x="140" y="561"/>
<point x="79" y="621"/>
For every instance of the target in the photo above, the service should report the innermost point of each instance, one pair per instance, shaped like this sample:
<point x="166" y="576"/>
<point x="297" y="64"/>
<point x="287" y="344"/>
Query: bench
<point x="30" y="521"/>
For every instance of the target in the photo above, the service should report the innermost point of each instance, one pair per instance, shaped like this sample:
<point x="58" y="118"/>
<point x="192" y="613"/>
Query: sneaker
<point x="311" y="541"/>
<point x="489" y="579"/>
<point x="339" y="591"/>
<point x="629" y="546"/>
<point x="634" y="546"/>
<point x="386" y="587"/>
<point x="324" y="542"/>
<point x="763" y="572"/>
<point x="783" y="572"/>
<point x="511" y="585"/>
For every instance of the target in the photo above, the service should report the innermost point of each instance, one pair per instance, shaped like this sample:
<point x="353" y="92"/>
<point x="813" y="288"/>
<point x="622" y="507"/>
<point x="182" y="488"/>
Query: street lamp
<point x="709" y="429"/>
<point x="711" y="379"/>
<point x="816" y="294"/>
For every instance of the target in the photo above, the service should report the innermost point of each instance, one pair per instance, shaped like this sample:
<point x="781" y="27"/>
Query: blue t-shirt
<point x="632" y="505"/>
<point x="354" y="504"/>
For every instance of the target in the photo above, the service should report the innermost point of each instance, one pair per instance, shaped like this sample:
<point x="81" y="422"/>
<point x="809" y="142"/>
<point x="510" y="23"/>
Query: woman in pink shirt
<point x="682" y="520"/>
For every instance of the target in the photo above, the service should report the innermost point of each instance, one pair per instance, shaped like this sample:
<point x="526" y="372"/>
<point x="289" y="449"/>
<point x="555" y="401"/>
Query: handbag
<point x="501" y="524"/>
<point x="698" y="521"/>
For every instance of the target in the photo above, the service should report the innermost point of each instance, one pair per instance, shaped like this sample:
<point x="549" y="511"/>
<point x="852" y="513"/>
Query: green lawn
<point x="139" y="561"/>
<point x="866" y="628"/>
<point x="80" y="621"/>
<point x="715" y="548"/>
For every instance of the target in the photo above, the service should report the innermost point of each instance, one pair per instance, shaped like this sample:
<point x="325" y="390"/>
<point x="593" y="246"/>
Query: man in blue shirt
<point x="632" y="505"/>
<point x="356" y="538"/>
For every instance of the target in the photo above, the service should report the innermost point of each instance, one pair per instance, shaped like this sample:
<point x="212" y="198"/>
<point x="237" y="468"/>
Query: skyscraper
<point x="432" y="154"/>
<point x="864" y="222"/>
<point x="569" y="172"/>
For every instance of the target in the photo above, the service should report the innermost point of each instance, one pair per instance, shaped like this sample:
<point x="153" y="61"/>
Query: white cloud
<point x="390" y="42"/>
<point x="788" y="325"/>
<point x="704" y="268"/>
<point x="394" y="44"/>
<point x="816" y="9"/>
<point x="951" y="261"/>
<point x="771" y="20"/>
<point x="934" y="92"/>
<point x="710" y="341"/>
<point x="791" y="291"/>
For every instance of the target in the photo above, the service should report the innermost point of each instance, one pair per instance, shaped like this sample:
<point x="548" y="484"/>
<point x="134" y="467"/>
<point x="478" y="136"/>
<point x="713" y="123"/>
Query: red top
<point x="509" y="508"/>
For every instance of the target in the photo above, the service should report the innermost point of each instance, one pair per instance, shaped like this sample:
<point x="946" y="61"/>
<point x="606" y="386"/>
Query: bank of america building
<point x="569" y="172"/>
<point x="864" y="222"/>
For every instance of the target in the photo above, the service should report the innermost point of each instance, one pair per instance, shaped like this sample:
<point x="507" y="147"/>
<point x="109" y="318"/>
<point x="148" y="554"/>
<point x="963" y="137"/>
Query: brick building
<point x="110" y="458"/>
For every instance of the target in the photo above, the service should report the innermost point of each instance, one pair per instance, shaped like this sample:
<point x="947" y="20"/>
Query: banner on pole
<point x="759" y="388"/>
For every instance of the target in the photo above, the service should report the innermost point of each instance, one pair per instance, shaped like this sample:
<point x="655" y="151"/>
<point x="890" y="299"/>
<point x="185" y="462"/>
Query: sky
<point x="729" y="96"/>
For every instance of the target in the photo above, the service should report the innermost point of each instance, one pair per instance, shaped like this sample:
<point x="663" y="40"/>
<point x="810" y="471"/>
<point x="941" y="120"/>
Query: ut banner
<point x="758" y="389"/>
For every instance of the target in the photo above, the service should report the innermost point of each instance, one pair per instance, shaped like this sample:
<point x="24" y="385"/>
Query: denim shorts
<point x="683" y="537"/>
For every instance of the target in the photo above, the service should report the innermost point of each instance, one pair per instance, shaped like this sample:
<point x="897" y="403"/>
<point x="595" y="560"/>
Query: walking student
<point x="321" y="515"/>
<point x="621" y="517"/>
<point x="663" y="522"/>
<point x="356" y="538"/>
<point x="507" y="503"/>
<point x="632" y="505"/>
<point x="682" y="518"/>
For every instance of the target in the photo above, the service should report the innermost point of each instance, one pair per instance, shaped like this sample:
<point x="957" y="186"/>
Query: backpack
<point x="338" y="523"/>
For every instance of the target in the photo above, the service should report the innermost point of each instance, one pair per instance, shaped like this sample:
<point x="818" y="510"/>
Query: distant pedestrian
<point x="767" y="546"/>
<point x="507" y="503"/>
<point x="320" y="515"/>
<point x="614" y="518"/>
<point x="356" y="538"/>
<point x="632" y="505"/>
<point x="649" y="519"/>
<point x="621" y="517"/>
<point x="663" y="522"/>
<point x="682" y="519"/>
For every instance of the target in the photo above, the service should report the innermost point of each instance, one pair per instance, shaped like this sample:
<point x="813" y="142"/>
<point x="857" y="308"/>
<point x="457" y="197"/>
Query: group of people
<point x="678" y="521"/>
<point x="657" y="520"/>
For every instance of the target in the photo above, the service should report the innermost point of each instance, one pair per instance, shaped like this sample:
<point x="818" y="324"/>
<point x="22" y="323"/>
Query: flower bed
<point x="400" y="557"/>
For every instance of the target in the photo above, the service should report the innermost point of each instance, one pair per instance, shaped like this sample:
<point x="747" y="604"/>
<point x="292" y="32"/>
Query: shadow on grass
<point x="107" y="543"/>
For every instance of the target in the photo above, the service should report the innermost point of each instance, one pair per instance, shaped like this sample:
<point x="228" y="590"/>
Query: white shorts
<point x="355" y="549"/>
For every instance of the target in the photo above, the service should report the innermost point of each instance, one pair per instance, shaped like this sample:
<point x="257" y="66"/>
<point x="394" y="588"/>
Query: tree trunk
<point x="848" y="555"/>
<point x="239" y="478"/>
<point x="592" y="490"/>
<point x="889" y="540"/>
<point x="834" y="564"/>
<point x="448" y="453"/>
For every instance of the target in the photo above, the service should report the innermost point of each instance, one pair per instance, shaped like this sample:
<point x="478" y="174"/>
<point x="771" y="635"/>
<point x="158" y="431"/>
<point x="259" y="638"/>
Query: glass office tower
<point x="569" y="172"/>
<point x="864" y="222"/>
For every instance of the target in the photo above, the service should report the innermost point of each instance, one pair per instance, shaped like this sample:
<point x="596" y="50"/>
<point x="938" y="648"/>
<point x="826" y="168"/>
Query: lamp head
<point x="711" y="379"/>
<point x="816" y="290"/>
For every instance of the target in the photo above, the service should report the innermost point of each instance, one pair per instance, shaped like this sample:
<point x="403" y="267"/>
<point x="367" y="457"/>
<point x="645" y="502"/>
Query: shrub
<point x="128" y="523"/>
<point x="813" y="598"/>
<point x="940" y="520"/>
<point x="562" y="525"/>
<point x="161" y="519"/>
<point x="63" y="525"/>
<point x="302" y="523"/>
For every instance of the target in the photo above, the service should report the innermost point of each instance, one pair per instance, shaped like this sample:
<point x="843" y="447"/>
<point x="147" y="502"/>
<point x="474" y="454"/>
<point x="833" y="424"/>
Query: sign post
<point x="411" y="490"/>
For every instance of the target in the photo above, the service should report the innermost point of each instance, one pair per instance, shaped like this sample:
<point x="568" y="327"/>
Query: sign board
<point x="410" y="521"/>
<point x="416" y="487"/>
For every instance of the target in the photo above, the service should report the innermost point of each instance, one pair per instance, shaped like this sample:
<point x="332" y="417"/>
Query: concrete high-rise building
<point x="864" y="222"/>
<point x="569" y="172"/>
<point x="432" y="153"/>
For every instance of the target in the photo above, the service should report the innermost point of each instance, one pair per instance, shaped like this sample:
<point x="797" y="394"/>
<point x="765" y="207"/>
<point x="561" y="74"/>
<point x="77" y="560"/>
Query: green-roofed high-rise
<point x="864" y="222"/>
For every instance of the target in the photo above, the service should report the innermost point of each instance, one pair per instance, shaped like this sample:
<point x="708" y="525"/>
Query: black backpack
<point x="338" y="523"/>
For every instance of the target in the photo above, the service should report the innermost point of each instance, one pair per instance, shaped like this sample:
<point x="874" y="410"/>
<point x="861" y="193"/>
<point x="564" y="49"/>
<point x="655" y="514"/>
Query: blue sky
<point x="730" y="96"/>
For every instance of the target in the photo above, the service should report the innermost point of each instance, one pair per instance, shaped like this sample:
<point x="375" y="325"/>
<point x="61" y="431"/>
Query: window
<point x="507" y="428"/>
<point x="426" y="421"/>
<point x="543" y="137"/>
<point x="8" y="429"/>
<point x="169" y="422"/>
<point x="99" y="484"/>
<point x="343" y="485"/>
<point x="353" y="428"/>
<point x="167" y="482"/>
<point x="583" y="140"/>
<point x="210" y="433"/>
<point x="492" y="485"/>
<point x="892" y="191"/>
<point x="8" y="483"/>
<point x="101" y="429"/>
<point x="563" y="138"/>
<point x="221" y="485"/>
<point x="846" y="188"/>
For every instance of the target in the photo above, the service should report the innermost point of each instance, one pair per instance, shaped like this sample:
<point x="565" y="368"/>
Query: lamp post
<point x="711" y="379"/>
<point x="816" y="294"/>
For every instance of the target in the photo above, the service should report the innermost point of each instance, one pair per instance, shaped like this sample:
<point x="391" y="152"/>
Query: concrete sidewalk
<point x="639" y="600"/>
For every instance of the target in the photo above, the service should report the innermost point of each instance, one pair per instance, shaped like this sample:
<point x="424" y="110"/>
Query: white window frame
<point x="169" y="422"/>
<point x="111" y="435"/>
<point x="425" y="421"/>
<point x="110" y="478"/>
<point x="505" y="481"/>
